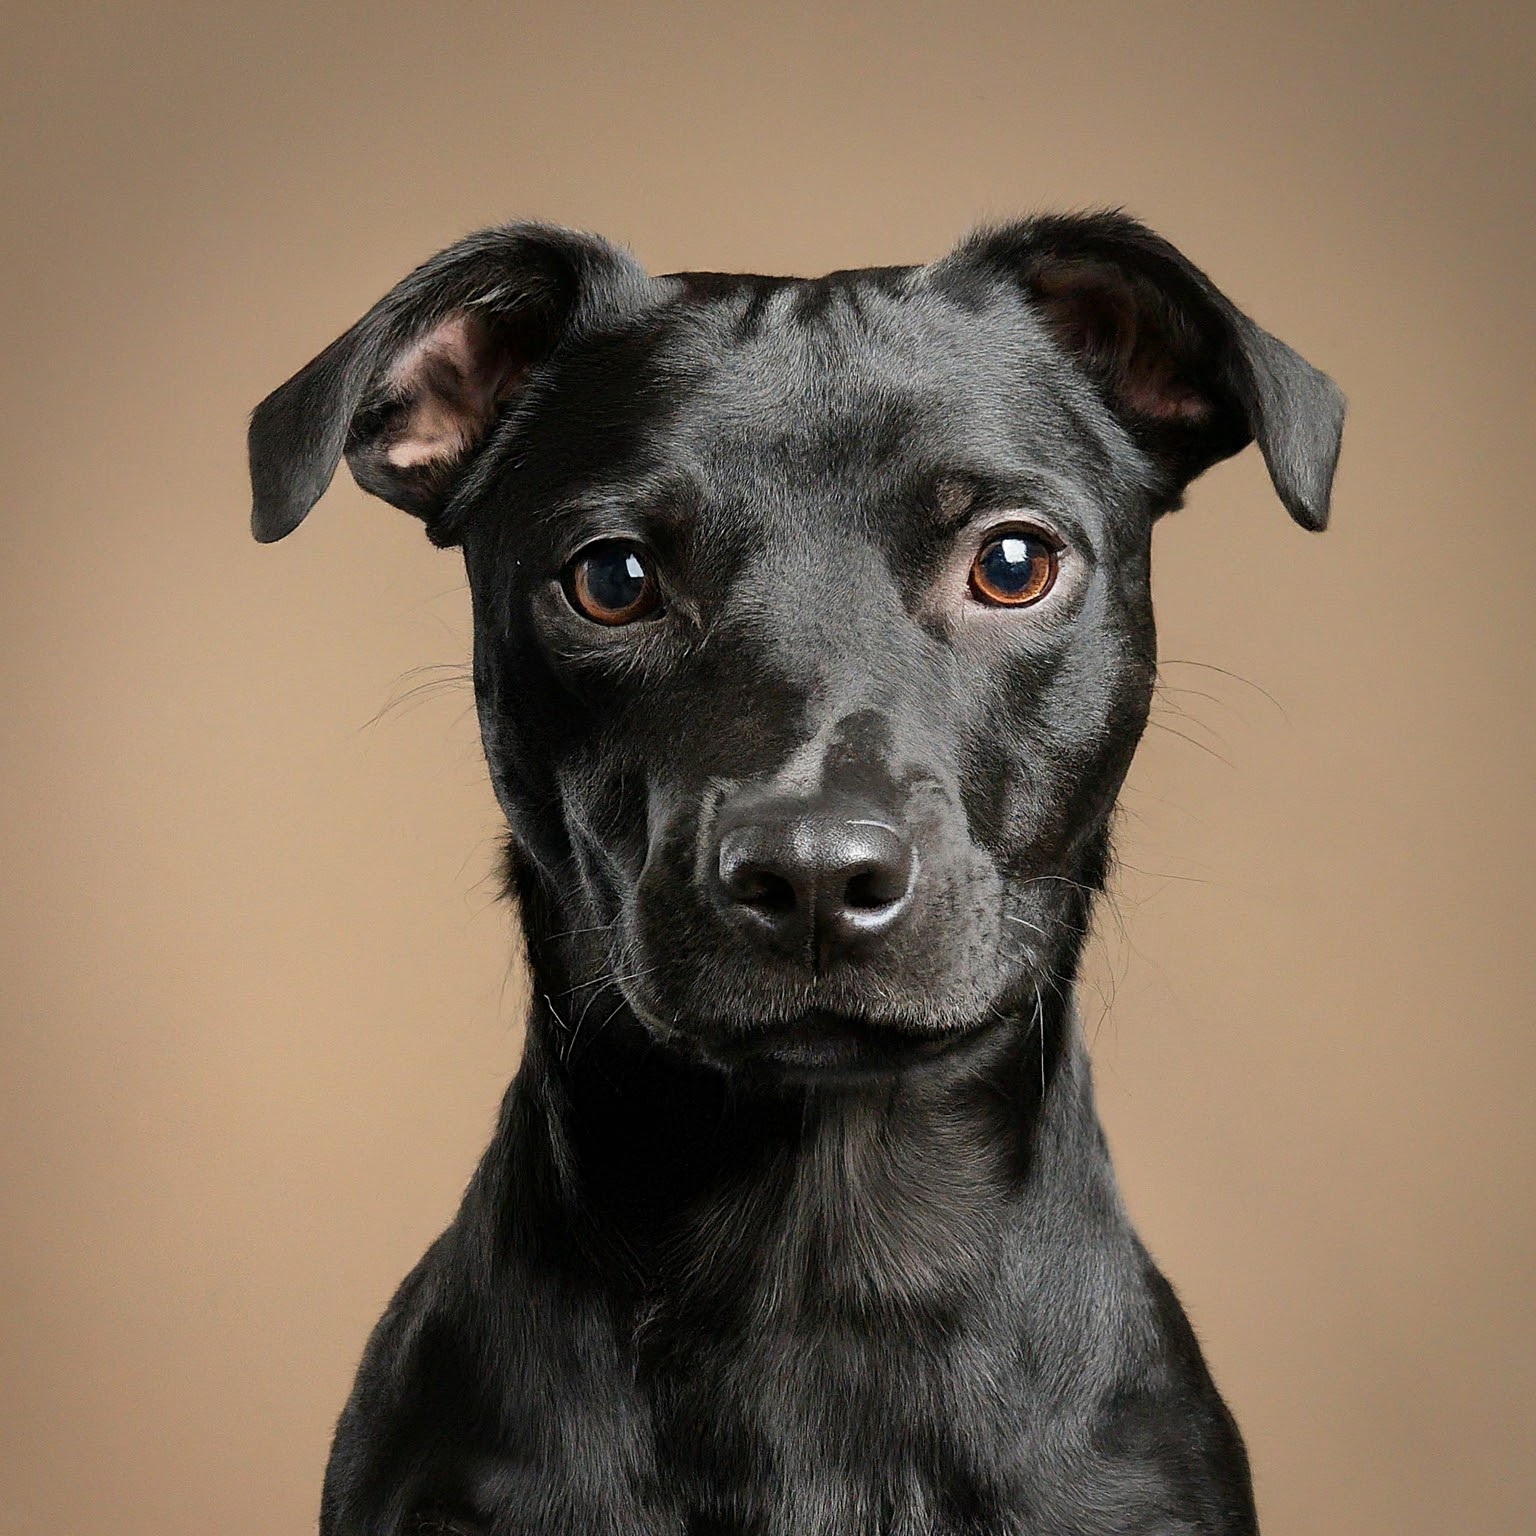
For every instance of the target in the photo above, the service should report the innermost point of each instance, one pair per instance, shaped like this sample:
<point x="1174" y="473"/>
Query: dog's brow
<point x="954" y="497"/>
<point x="659" y="500"/>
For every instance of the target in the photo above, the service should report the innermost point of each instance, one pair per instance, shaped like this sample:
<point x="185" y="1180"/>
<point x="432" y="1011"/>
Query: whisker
<point x="565" y="1028"/>
<point x="1040" y="1025"/>
<point x="571" y="933"/>
<point x="1194" y="741"/>
<point x="609" y="978"/>
<point x="1033" y="927"/>
<point x="1247" y="682"/>
<point x="612" y="1015"/>
<point x="1162" y="874"/>
<point x="457" y="675"/>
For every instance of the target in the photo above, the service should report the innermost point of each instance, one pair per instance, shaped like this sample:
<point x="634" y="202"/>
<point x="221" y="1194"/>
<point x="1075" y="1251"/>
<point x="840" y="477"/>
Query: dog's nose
<point x="811" y="879"/>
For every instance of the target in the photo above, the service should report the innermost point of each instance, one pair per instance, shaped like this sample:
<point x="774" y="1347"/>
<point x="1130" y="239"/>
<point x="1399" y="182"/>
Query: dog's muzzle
<point x="812" y="879"/>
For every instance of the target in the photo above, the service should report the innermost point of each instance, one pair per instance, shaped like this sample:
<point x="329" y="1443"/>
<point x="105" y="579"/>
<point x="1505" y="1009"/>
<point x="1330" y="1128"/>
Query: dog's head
<point x="812" y="626"/>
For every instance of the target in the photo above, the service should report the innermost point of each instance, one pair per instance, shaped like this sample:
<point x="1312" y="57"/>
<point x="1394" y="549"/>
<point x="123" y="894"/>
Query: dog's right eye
<point x="611" y="583"/>
<point x="1014" y="568"/>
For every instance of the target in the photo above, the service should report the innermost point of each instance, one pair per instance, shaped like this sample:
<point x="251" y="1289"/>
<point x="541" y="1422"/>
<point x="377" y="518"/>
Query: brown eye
<point x="1014" y="569"/>
<point x="611" y="584"/>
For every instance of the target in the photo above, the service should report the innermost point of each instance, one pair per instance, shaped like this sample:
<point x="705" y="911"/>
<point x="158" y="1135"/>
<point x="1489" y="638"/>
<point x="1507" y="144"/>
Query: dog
<point x="812" y="642"/>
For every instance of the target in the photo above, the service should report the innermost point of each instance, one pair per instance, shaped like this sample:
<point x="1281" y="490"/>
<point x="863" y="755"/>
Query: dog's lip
<point x="821" y="1039"/>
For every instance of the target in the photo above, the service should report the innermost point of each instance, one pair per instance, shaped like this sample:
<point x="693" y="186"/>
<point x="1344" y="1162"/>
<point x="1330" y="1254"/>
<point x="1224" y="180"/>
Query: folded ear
<point x="1190" y="376"/>
<point x="410" y="393"/>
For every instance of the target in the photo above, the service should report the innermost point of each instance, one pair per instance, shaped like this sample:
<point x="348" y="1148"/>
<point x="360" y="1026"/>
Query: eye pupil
<point x="615" y="580"/>
<point x="1008" y="564"/>
<point x="1013" y="569"/>
<point x="611" y="585"/>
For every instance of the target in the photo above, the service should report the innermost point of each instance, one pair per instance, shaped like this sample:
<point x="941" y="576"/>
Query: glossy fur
<point x="774" y="1237"/>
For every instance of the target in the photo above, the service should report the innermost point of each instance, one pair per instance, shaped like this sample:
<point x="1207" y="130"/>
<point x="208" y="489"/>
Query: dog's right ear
<point x="411" y="392"/>
<point x="1190" y="377"/>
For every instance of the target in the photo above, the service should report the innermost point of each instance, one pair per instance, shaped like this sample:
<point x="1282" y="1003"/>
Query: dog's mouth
<point x="824" y="1044"/>
<point x="832" y="1032"/>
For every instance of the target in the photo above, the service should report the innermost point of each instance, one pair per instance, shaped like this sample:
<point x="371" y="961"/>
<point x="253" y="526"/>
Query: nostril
<point x="763" y="891"/>
<point x="801" y="877"/>
<point x="754" y="879"/>
<point x="874" y="887"/>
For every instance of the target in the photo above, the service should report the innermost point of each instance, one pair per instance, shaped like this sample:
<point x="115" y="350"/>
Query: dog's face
<point x="818" y="667"/>
<point x="813" y="631"/>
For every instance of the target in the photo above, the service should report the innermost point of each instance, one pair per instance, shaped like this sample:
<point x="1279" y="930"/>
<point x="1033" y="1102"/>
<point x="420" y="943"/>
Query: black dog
<point x="812" y="643"/>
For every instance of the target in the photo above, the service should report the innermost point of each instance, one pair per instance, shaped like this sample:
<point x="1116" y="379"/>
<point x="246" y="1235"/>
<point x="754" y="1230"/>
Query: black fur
<point x="781" y="1231"/>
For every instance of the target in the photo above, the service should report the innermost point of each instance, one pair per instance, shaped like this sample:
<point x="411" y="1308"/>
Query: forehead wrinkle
<point x="832" y="364"/>
<point x="666" y="494"/>
<point x="796" y="353"/>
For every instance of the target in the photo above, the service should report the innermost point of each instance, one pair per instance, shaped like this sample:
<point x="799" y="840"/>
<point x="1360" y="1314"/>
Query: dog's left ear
<point x="1190" y="376"/>
<point x="410" y="393"/>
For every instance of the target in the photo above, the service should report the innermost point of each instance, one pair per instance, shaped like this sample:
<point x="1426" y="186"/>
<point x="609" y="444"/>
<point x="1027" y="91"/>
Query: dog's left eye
<point x="612" y="584"/>
<point x="1014" y="568"/>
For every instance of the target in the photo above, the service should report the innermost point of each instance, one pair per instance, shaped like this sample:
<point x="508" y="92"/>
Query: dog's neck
<point x="702" y="1189"/>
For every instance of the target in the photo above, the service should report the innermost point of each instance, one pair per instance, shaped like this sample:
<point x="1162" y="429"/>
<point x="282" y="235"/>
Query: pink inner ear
<point x="449" y="382"/>
<point x="1097" y="315"/>
<point x="1165" y="399"/>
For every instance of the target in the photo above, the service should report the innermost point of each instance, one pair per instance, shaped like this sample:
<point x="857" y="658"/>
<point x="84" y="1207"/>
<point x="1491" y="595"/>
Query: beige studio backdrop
<point x="258" y="1001"/>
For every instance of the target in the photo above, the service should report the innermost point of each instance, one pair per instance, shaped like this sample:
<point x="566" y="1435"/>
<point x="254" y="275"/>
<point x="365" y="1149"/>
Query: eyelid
<point x="594" y="538"/>
<point x="1057" y="529"/>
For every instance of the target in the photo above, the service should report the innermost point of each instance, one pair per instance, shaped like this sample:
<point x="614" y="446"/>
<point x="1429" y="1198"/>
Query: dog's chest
<point x="840" y="1430"/>
<point x="891" y="1362"/>
<point x="834" y="1436"/>
<point x="793" y="1401"/>
<point x="944" y="1425"/>
<point x="845" y="1348"/>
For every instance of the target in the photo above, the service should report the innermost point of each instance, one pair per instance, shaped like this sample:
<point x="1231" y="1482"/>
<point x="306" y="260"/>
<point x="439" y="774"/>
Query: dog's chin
<point x="823" y="1046"/>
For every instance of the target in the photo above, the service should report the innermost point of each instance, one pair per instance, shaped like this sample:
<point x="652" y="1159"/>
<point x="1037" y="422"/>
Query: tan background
<point x="257" y="1003"/>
